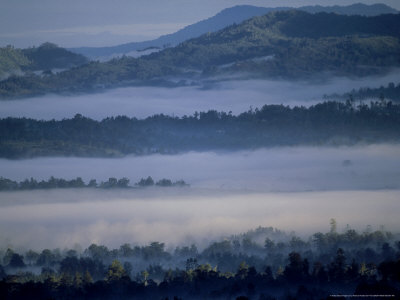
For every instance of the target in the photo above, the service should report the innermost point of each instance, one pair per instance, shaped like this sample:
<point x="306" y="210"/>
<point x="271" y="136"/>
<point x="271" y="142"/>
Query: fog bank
<point x="290" y="188"/>
<point x="271" y="170"/>
<point x="236" y="96"/>
<point x="184" y="217"/>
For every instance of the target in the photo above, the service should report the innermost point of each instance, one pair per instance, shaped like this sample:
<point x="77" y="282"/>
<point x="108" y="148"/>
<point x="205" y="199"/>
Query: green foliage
<point x="17" y="62"/>
<point x="115" y="271"/>
<point x="12" y="61"/>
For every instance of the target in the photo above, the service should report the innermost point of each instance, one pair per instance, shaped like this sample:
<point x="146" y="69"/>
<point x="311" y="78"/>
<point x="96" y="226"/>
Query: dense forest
<point x="286" y="44"/>
<point x="59" y="183"/>
<point x="329" y="123"/>
<point x="261" y="264"/>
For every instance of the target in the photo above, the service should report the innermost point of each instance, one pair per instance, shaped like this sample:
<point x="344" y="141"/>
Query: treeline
<point x="389" y="92"/>
<point x="328" y="123"/>
<point x="282" y="267"/>
<point x="55" y="183"/>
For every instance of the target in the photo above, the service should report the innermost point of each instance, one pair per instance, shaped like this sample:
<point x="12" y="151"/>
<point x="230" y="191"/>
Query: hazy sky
<point x="102" y="22"/>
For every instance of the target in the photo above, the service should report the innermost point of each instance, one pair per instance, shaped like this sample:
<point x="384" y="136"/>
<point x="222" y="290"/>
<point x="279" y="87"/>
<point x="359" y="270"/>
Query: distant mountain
<point x="282" y="44"/>
<point x="226" y="17"/>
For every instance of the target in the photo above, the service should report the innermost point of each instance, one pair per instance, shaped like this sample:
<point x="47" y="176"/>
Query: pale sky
<point x="75" y="23"/>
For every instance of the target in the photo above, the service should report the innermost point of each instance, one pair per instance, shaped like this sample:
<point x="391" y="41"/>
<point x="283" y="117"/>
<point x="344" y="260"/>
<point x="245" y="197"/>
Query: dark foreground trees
<point x="285" y="267"/>
<point x="298" y="281"/>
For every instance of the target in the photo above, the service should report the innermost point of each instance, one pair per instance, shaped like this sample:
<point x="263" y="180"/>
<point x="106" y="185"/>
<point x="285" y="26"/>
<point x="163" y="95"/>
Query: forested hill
<point x="46" y="57"/>
<point x="288" y="44"/>
<point x="227" y="17"/>
<point x="50" y="56"/>
<point x="294" y="43"/>
<point x="330" y="123"/>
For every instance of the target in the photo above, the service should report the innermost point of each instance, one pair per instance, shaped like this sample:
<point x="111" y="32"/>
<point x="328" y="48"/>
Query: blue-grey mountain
<point x="226" y="17"/>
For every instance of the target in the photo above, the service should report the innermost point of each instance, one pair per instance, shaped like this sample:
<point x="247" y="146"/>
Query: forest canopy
<point x="264" y="263"/>
<point x="328" y="123"/>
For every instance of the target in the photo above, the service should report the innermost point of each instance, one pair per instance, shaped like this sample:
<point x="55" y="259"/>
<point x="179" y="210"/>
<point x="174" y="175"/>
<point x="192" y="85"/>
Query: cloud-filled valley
<point x="232" y="95"/>
<point x="247" y="153"/>
<point x="272" y="169"/>
<point x="181" y="217"/>
<point x="297" y="188"/>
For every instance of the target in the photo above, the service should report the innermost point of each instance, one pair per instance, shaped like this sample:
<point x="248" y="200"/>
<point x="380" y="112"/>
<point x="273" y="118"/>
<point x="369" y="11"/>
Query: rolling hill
<point x="46" y="57"/>
<point x="49" y="56"/>
<point x="287" y="44"/>
<point x="226" y="17"/>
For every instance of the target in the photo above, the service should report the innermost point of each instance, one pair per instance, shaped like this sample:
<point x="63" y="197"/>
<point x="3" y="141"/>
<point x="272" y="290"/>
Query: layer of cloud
<point x="274" y="169"/>
<point x="235" y="96"/>
<point x="112" y="219"/>
<point x="298" y="188"/>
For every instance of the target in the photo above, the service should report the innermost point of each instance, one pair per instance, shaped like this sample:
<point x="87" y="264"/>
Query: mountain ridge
<point x="276" y="45"/>
<point x="224" y="18"/>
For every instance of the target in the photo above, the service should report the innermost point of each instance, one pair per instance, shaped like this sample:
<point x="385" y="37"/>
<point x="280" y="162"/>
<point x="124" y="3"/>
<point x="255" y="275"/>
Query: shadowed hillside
<point x="280" y="44"/>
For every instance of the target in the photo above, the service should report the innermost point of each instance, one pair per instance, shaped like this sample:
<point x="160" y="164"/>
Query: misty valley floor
<point x="141" y="102"/>
<point x="63" y="218"/>
<point x="290" y="188"/>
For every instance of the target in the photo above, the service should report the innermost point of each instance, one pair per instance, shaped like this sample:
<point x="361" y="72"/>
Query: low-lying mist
<point x="140" y="102"/>
<point x="177" y="217"/>
<point x="274" y="169"/>
<point x="297" y="188"/>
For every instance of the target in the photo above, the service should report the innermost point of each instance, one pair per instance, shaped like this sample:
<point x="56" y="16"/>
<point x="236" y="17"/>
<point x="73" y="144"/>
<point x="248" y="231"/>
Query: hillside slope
<point x="46" y="57"/>
<point x="11" y="61"/>
<point x="292" y="43"/>
<point x="49" y="56"/>
<point x="279" y="44"/>
<point x="227" y="17"/>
